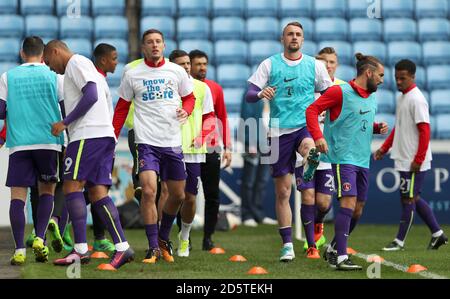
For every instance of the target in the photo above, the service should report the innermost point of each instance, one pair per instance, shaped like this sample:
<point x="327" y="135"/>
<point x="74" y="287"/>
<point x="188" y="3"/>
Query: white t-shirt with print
<point x="97" y="122"/>
<point x="156" y="92"/>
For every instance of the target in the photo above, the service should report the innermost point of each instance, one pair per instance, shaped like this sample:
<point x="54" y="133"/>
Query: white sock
<point x="288" y="245"/>
<point x="401" y="243"/>
<point x="22" y="251"/>
<point x="122" y="246"/>
<point x="185" y="230"/>
<point x="341" y="258"/>
<point x="81" y="248"/>
<point x="437" y="234"/>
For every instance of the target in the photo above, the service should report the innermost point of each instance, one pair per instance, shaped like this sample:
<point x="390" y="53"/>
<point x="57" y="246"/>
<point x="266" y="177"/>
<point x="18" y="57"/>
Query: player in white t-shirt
<point x="288" y="80"/>
<point x="411" y="152"/>
<point x="157" y="87"/>
<point x="90" y="152"/>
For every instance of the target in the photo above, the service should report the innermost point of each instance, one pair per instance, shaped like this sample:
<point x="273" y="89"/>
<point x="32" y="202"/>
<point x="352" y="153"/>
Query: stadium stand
<point x="231" y="51"/>
<point x="110" y="7"/>
<point x="82" y="27"/>
<point x="9" y="6"/>
<point x="159" y="8"/>
<point x="36" y="7"/>
<point x="64" y="8"/>
<point x="42" y="25"/>
<point x="164" y="24"/>
<point x="12" y="26"/>
<point x="200" y="8"/>
<point x="262" y="8"/>
<point x="296" y="8"/>
<point x="228" y="28"/>
<point x="330" y="8"/>
<point x="228" y="8"/>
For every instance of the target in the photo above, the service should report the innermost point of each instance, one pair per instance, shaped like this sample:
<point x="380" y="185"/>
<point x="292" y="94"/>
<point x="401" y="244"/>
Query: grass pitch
<point x="261" y="248"/>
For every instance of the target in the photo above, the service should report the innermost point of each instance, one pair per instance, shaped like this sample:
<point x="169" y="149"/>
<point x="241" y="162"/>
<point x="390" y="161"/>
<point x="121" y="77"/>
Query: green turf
<point x="261" y="247"/>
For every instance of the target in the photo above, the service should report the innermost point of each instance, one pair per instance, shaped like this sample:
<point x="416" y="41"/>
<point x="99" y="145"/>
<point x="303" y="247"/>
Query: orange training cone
<point x="416" y="268"/>
<point x="217" y="250"/>
<point x="106" y="267"/>
<point x="99" y="255"/>
<point x="237" y="258"/>
<point x="90" y="248"/>
<point x="257" y="271"/>
<point x="351" y="251"/>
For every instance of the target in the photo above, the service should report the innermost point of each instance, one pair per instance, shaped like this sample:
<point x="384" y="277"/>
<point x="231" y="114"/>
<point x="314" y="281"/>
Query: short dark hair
<point x="406" y="65"/>
<point x="364" y="62"/>
<point x="327" y="50"/>
<point x="198" y="54"/>
<point x="33" y="46"/>
<point x="150" y="31"/>
<point x="297" y="24"/>
<point x="177" y="54"/>
<point x="102" y="50"/>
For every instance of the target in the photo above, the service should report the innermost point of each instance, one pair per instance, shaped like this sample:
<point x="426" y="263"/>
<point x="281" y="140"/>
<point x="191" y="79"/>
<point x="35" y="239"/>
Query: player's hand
<point x="182" y="115"/>
<point x="197" y="142"/>
<point x="1" y="145"/>
<point x="415" y="167"/>
<point x="268" y="93"/>
<point x="384" y="128"/>
<point x="58" y="128"/>
<point x="321" y="145"/>
<point x="226" y="158"/>
<point x="379" y="154"/>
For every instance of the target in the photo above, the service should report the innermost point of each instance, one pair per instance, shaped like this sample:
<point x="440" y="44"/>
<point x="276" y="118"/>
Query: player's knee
<point x="148" y="194"/>
<point x="308" y="197"/>
<point x="283" y="193"/>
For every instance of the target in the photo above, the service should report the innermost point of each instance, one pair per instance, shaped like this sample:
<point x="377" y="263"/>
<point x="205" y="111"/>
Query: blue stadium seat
<point x="9" y="6"/>
<point x="114" y="95"/>
<point x="82" y="27"/>
<point x="114" y="79"/>
<point x="388" y="79"/>
<point x="438" y="77"/>
<point x="330" y="8"/>
<point x="158" y="8"/>
<point x="228" y="8"/>
<point x="197" y="44"/>
<point x="400" y="30"/>
<point x="228" y="28"/>
<point x="262" y="49"/>
<point x="387" y="118"/>
<point x="110" y="7"/>
<point x="309" y="48"/>
<point x="402" y="50"/>
<point x="233" y="99"/>
<point x="211" y="73"/>
<point x="111" y="27"/>
<point x="397" y="9"/>
<point x="170" y="46"/>
<point x="230" y="51"/>
<point x="41" y="25"/>
<point x="193" y="27"/>
<point x="358" y="8"/>
<point x="12" y="26"/>
<point x="434" y="30"/>
<point x="362" y="29"/>
<point x="6" y="66"/>
<point x="65" y="7"/>
<point x="164" y="24"/>
<point x="80" y="46"/>
<point x="440" y="101"/>
<point x="385" y="100"/>
<point x="36" y="7"/>
<point x="233" y="122"/>
<point x="433" y="126"/>
<point x="9" y="49"/>
<point x="201" y="8"/>
<point x="233" y="75"/>
<point x="431" y="9"/>
<point x="436" y="53"/>
<point x="263" y="28"/>
<point x="307" y="24"/>
<point x="121" y="46"/>
<point x="331" y="29"/>
<point x="343" y="49"/>
<point x="262" y="8"/>
<point x="345" y="72"/>
<point x="296" y="8"/>
<point x="377" y="49"/>
<point x="443" y="126"/>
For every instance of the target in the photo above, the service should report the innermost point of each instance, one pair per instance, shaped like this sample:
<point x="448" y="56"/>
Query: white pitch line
<point x="426" y="274"/>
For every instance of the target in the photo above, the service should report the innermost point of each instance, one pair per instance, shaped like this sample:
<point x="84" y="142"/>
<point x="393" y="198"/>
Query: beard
<point x="372" y="86"/>
<point x="293" y="48"/>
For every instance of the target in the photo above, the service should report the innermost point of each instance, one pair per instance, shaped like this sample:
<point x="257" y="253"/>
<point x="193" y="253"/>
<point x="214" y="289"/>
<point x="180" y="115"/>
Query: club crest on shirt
<point x="346" y="187"/>
<point x="141" y="163"/>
